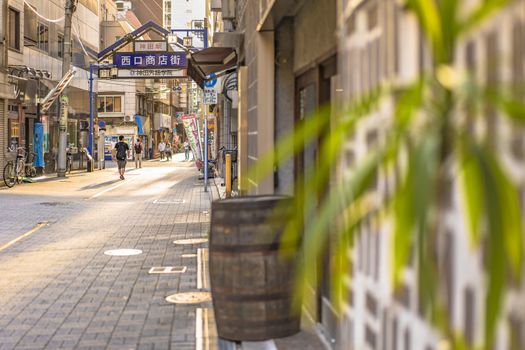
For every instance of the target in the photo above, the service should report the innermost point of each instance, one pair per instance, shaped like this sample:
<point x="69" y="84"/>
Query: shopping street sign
<point x="141" y="73"/>
<point x="150" y="60"/>
<point x="150" y="46"/>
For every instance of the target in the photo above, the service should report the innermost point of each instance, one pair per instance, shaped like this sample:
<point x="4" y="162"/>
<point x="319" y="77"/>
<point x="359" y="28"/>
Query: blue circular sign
<point x="102" y="124"/>
<point x="210" y="83"/>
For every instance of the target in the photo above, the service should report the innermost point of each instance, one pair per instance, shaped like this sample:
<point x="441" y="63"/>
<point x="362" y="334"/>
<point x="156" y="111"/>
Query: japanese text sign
<point x="150" y="46"/>
<point x="150" y="60"/>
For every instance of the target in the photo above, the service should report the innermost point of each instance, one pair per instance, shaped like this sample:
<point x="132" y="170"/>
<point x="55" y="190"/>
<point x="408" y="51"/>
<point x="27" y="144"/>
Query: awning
<point x="209" y="61"/>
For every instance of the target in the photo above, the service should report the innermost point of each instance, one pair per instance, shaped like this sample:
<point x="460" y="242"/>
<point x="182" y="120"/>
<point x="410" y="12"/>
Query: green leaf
<point x="413" y="201"/>
<point x="482" y="12"/>
<point x="512" y="108"/>
<point x="510" y="212"/>
<point x="429" y="18"/>
<point x="505" y="230"/>
<point x="471" y="182"/>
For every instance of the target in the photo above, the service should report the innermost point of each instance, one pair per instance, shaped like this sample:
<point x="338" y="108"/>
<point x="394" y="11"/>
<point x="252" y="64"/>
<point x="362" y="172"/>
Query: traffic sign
<point x="210" y="83"/>
<point x="210" y="97"/>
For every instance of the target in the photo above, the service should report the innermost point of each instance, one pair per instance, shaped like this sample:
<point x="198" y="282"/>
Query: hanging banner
<point x="191" y="127"/>
<point x="38" y="145"/>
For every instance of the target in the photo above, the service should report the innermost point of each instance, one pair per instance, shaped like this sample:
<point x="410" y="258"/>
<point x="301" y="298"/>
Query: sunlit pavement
<point x="59" y="290"/>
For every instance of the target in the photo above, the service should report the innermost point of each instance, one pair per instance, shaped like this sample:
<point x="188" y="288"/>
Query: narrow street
<point x="58" y="288"/>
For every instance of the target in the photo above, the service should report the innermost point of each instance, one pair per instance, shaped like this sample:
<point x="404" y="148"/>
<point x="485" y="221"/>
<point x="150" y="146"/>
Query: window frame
<point x="113" y="104"/>
<point x="40" y="44"/>
<point x="60" y="43"/>
<point x="17" y="35"/>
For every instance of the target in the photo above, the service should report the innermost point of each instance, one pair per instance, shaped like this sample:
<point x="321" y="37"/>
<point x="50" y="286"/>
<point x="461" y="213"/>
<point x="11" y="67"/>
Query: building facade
<point x="34" y="65"/>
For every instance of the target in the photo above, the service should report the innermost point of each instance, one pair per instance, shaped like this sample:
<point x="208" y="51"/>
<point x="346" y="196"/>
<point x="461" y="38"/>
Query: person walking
<point x="162" y="149"/>
<point x="139" y="148"/>
<point x="121" y="152"/>
<point x="168" y="151"/>
<point x="186" y="151"/>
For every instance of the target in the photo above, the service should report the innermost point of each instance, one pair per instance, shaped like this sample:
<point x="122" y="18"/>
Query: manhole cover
<point x="169" y="201"/>
<point x="123" y="252"/>
<point x="191" y="241"/>
<point x="167" y="269"/>
<point x="189" y="298"/>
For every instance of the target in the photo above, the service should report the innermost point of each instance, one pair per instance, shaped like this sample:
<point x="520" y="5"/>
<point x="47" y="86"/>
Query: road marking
<point x="27" y="234"/>
<point x="110" y="189"/>
<point x="207" y="328"/>
<point x="205" y="268"/>
<point x="199" y="268"/>
<point x="167" y="269"/>
<point x="198" y="330"/>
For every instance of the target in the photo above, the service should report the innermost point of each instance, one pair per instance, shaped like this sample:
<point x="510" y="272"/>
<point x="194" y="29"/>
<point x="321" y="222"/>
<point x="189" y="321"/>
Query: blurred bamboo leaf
<point x="471" y="184"/>
<point x="483" y="11"/>
<point x="504" y="236"/>
<point x="413" y="201"/>
<point x="429" y="18"/>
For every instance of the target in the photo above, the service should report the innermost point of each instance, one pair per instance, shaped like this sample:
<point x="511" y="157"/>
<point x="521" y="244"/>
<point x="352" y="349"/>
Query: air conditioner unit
<point x="129" y="118"/>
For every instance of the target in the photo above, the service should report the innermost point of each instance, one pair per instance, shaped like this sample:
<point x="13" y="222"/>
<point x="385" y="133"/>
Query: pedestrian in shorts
<point x="138" y="153"/>
<point x="121" y="151"/>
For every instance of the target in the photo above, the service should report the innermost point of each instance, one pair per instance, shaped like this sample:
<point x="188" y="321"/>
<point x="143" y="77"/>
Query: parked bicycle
<point x="15" y="170"/>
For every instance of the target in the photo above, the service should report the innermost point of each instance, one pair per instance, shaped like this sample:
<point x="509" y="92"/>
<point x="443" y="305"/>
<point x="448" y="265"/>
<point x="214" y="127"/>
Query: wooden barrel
<point x="251" y="281"/>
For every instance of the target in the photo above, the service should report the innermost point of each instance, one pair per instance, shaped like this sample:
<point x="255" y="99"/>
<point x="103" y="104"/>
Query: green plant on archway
<point x="430" y="140"/>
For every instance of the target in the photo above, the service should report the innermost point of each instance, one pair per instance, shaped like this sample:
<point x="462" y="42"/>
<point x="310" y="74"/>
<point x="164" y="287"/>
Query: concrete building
<point x="34" y="62"/>
<point x="6" y="90"/>
<point x="151" y="10"/>
<point x="118" y="102"/>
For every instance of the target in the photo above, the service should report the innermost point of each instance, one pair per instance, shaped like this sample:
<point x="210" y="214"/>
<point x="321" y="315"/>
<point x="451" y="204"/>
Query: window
<point x="43" y="37"/>
<point x="72" y="132"/>
<point x="30" y="25"/>
<point x="14" y="29"/>
<point x="109" y="104"/>
<point x="60" y="43"/>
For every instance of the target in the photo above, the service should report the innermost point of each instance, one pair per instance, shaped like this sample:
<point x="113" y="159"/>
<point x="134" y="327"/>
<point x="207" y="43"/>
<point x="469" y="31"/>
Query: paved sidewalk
<point x="58" y="290"/>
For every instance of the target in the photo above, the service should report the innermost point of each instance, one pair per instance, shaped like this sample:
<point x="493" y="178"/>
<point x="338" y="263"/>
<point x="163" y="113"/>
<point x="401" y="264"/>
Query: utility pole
<point x="66" y="64"/>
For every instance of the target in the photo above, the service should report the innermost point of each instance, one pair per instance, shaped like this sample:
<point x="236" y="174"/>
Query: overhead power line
<point x="43" y="17"/>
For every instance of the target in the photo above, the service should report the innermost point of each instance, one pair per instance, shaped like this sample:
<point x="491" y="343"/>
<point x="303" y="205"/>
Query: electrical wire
<point x="80" y="40"/>
<point x="41" y="16"/>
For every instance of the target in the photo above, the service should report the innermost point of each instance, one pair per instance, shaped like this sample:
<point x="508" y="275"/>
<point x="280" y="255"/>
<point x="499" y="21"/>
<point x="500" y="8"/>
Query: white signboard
<point x="151" y="46"/>
<point x="151" y="73"/>
<point x="210" y="97"/>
